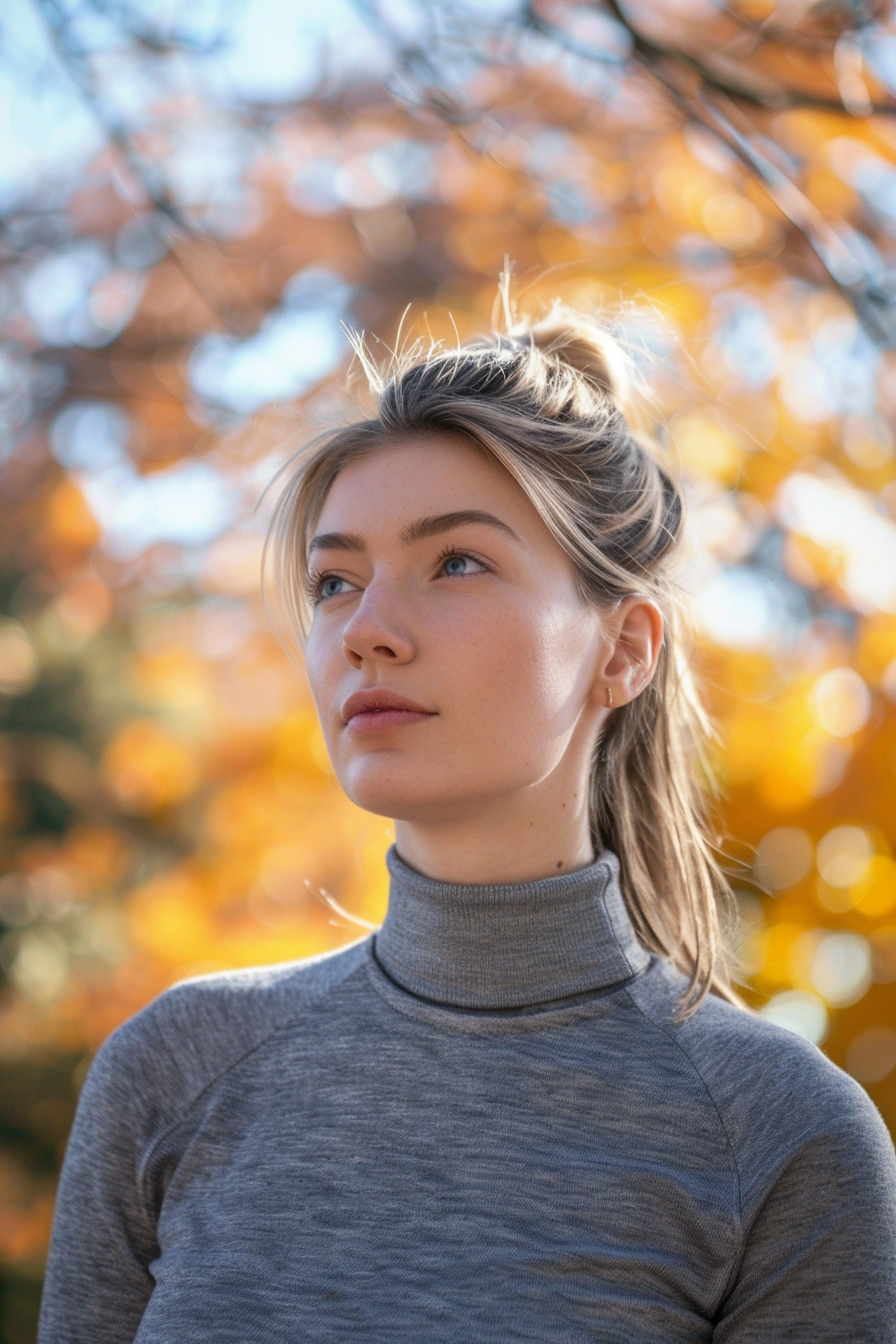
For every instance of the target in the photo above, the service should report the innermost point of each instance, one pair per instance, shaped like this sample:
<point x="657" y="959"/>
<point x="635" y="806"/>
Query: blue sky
<point x="270" y="50"/>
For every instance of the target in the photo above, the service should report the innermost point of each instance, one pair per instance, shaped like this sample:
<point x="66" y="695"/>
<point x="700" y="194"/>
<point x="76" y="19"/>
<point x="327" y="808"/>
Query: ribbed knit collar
<point x="506" y="945"/>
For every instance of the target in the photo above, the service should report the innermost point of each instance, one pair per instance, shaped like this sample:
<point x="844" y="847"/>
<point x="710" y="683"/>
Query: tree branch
<point x="155" y="189"/>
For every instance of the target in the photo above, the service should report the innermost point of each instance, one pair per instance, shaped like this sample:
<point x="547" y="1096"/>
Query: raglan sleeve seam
<point x="736" y="1166"/>
<point x="147" y="1162"/>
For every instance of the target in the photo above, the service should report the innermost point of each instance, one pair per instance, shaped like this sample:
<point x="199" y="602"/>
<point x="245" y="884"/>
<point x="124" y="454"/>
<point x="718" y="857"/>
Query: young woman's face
<point x="475" y="620"/>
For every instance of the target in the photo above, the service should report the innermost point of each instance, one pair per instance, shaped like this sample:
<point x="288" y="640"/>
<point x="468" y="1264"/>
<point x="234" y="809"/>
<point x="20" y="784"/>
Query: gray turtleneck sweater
<point x="478" y="1125"/>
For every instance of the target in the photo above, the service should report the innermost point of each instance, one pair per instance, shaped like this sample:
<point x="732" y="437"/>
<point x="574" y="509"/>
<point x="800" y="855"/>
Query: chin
<point x="403" y="795"/>
<point x="414" y="793"/>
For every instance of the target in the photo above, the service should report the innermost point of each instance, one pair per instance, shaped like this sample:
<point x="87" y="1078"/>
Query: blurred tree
<point x="193" y="198"/>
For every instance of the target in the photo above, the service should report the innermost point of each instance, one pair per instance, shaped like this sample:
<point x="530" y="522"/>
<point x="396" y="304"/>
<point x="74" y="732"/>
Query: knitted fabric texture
<point x="480" y="1124"/>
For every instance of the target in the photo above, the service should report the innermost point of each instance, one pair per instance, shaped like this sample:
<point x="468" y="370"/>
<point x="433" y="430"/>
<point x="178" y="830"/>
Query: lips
<point x="379" y="701"/>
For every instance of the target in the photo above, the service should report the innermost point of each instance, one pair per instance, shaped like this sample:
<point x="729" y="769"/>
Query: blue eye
<point x="461" y="561"/>
<point x="318" y="587"/>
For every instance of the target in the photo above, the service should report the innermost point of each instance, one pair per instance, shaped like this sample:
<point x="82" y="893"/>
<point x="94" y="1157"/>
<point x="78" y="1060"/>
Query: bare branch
<point x="729" y="80"/>
<point x="143" y="170"/>
<point x="867" y="292"/>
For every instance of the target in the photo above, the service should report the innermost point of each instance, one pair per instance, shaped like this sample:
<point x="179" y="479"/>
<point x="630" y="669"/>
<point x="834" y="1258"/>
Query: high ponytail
<point x="545" y="400"/>
<point x="594" y="358"/>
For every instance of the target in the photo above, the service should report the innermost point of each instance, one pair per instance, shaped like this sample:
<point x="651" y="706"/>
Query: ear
<point x="634" y="639"/>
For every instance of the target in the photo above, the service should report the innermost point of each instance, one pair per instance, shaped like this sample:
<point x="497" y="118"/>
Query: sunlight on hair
<point x="539" y="395"/>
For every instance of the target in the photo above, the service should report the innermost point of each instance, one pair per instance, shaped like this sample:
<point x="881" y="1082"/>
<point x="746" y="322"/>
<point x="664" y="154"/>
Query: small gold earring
<point x="609" y="698"/>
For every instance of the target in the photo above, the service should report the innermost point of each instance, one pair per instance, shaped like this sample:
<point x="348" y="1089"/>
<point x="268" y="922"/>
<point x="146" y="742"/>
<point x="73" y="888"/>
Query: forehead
<point x="416" y="475"/>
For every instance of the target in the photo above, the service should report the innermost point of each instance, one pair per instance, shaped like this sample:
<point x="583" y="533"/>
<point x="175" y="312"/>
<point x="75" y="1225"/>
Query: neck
<point x="522" y="838"/>
<point x="507" y="944"/>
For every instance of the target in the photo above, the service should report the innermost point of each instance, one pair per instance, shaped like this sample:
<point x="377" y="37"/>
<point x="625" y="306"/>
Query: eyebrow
<point x="424" y="527"/>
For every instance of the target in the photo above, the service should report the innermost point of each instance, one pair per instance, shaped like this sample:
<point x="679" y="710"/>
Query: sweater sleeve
<point x="819" y="1256"/>
<point x="104" y="1228"/>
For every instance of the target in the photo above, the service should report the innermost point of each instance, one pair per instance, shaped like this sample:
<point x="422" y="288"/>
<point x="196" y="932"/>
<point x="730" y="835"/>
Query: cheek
<point x="521" y="670"/>
<point x="324" y="664"/>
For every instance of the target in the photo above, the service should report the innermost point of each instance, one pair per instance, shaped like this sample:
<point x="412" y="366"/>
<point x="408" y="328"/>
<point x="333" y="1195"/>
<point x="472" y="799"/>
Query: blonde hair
<point x="542" y="400"/>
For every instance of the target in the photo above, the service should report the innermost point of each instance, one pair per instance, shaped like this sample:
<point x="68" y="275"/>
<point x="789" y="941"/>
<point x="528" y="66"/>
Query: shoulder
<point x="234" y="1010"/>
<point x="748" y="1064"/>
<point x="196" y="1030"/>
<point x="777" y="1095"/>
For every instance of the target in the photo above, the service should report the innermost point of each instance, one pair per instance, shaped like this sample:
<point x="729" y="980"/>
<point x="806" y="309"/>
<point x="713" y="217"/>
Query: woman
<point x="529" y="1106"/>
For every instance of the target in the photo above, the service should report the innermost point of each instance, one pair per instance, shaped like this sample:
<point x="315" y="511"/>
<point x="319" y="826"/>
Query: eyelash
<point x="316" y="581"/>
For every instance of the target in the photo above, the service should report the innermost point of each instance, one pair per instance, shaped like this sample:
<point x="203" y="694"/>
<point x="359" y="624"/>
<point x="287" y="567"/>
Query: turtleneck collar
<point x="507" y="945"/>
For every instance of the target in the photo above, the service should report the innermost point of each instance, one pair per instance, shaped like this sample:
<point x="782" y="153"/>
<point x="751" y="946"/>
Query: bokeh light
<point x="841" y="701"/>
<point x="843" y="855"/>
<point x="783" y="857"/>
<point x="798" y="1011"/>
<point x="871" y="1056"/>
<point x="841" y="968"/>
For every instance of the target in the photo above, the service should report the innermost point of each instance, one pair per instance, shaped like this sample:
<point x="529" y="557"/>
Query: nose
<point x="374" y="631"/>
